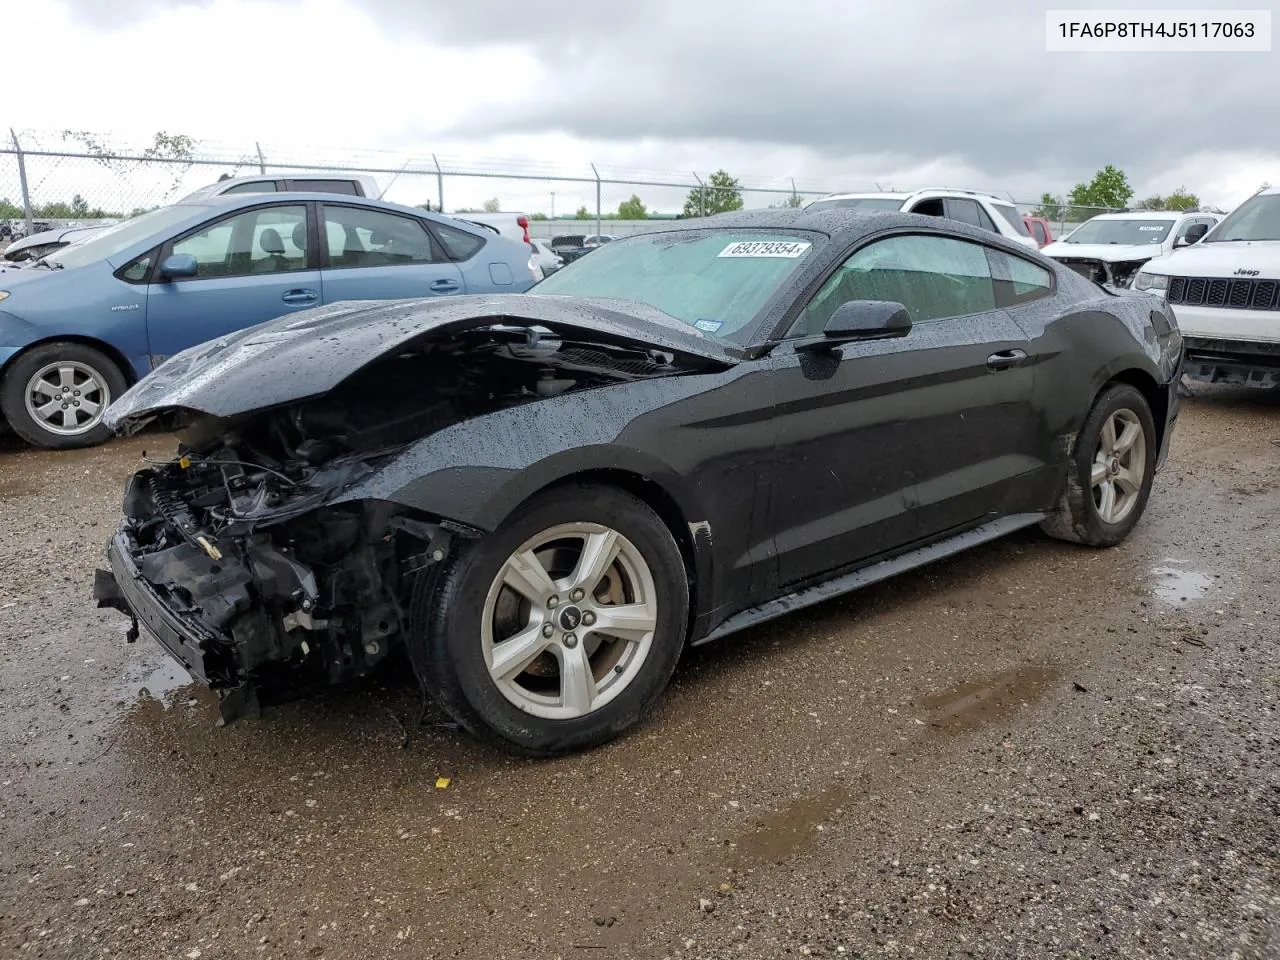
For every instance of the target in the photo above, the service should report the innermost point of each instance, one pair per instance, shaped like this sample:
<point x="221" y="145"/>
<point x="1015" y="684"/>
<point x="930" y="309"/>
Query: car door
<point x="974" y="363"/>
<point x="847" y="444"/>
<point x="375" y="254"/>
<point x="252" y="265"/>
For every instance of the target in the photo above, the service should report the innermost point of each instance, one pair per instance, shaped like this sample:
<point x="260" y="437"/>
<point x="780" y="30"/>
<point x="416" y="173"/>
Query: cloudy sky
<point x="833" y="94"/>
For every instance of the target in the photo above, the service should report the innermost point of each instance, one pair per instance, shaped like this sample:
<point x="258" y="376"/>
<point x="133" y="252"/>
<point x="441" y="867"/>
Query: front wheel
<point x="54" y="395"/>
<point x="1111" y="471"/>
<point x="561" y="629"/>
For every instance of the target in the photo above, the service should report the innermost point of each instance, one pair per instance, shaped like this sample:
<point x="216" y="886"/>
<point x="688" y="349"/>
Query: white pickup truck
<point x="1225" y="293"/>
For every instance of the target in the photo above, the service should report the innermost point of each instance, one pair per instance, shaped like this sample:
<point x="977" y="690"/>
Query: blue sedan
<point x="82" y="324"/>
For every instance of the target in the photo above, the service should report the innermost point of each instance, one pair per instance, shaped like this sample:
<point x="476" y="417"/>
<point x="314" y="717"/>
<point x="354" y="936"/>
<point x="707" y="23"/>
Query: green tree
<point x="582" y="214"/>
<point x="537" y="216"/>
<point x="1153" y="202"/>
<point x="492" y="205"/>
<point x="632" y="209"/>
<point x="1051" y="207"/>
<point x="79" y="207"/>
<point x="1109" y="188"/>
<point x="720" y="194"/>
<point x="1180" y="199"/>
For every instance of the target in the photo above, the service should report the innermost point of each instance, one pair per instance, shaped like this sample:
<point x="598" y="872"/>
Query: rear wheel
<point x="561" y="629"/>
<point x="54" y="395"/>
<point x="1111" y="471"/>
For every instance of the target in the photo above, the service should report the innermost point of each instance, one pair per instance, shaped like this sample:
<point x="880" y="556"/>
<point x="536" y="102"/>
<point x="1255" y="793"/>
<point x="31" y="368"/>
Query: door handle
<point x="300" y="296"/>
<point x="444" y="286"/>
<point x="1006" y="359"/>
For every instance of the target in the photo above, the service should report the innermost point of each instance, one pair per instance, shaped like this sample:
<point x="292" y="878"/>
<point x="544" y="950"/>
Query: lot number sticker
<point x="788" y="249"/>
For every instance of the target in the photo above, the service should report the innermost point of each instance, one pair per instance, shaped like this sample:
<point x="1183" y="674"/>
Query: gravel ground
<point x="1031" y="750"/>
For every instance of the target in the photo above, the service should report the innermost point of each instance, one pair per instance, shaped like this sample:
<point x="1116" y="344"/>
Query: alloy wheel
<point x="67" y="397"/>
<point x="569" y="620"/>
<point x="1119" y="466"/>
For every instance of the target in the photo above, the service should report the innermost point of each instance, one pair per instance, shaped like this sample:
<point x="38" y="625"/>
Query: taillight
<point x="523" y="224"/>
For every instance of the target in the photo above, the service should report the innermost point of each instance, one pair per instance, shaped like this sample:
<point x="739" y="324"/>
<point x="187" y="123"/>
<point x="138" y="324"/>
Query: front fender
<point x="15" y="334"/>
<point x="478" y="471"/>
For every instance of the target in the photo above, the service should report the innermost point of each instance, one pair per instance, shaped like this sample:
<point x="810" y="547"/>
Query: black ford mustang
<point x="543" y="498"/>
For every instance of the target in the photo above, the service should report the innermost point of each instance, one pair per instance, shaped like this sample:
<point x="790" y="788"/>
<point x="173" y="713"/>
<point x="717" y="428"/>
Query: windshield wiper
<point x="42" y="262"/>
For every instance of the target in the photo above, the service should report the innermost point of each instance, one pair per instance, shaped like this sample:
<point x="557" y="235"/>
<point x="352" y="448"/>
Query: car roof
<point x="839" y="223"/>
<point x="1150" y="215"/>
<point x="882" y="195"/>
<point x="233" y="200"/>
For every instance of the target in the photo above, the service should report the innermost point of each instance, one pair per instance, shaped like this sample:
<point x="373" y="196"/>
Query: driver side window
<point x="933" y="277"/>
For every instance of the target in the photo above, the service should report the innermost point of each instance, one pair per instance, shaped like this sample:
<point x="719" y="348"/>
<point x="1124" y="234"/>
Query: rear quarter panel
<point x="1084" y="337"/>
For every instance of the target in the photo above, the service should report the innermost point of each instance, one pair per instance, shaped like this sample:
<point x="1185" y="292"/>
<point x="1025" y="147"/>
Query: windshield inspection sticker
<point x="708" y="326"/>
<point x="789" y="249"/>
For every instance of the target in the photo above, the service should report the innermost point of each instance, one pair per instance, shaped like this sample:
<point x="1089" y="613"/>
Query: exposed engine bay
<point x="231" y="554"/>
<point x="1118" y="274"/>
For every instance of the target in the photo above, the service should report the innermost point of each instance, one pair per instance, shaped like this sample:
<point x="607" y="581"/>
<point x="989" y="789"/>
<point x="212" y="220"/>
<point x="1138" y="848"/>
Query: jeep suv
<point x="1225" y="292"/>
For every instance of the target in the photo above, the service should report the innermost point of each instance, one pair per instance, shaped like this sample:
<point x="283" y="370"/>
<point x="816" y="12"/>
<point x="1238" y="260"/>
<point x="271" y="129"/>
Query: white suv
<point x="1112" y="247"/>
<point x="1225" y="293"/>
<point x="979" y="209"/>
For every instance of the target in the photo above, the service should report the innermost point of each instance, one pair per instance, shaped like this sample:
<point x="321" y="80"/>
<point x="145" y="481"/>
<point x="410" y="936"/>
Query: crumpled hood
<point x="306" y="354"/>
<point x="1222" y="259"/>
<point x="1106" y="252"/>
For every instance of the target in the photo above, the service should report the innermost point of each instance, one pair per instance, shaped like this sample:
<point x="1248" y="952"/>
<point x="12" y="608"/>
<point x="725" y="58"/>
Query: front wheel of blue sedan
<point x="560" y="629"/>
<point x="54" y="395"/>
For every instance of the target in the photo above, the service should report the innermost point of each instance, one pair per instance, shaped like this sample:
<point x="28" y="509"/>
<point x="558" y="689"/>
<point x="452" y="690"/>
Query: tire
<point x="1085" y="513"/>
<point x="82" y="375"/>
<point x="536" y="710"/>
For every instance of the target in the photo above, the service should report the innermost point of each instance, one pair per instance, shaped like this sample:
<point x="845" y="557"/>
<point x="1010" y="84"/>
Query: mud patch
<point x="1178" y="587"/>
<point x="789" y="831"/>
<point x="970" y="705"/>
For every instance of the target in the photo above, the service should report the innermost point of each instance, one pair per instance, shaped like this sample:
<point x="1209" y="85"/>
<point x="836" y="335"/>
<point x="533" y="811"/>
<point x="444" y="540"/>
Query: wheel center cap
<point x="1113" y="466"/>
<point x="570" y="617"/>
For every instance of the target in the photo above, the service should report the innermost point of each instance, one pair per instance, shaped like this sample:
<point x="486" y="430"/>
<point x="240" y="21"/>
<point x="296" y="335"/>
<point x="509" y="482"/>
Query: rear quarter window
<point x="459" y="244"/>
<point x="1012" y="217"/>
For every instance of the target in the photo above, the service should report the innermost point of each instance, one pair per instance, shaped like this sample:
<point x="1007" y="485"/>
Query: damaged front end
<point x="245" y="561"/>
<point x="1104" y="272"/>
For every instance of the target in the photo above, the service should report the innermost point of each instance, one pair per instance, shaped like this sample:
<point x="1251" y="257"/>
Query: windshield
<point x="1258" y="218"/>
<point x="122" y="236"/>
<point x="1099" y="230"/>
<point x="858" y="204"/>
<point x="714" y="281"/>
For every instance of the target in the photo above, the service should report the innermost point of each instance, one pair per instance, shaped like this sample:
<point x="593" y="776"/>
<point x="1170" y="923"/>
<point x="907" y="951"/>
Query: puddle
<point x="160" y="683"/>
<point x="789" y="831"/>
<point x="1178" y="587"/>
<point x="967" y="706"/>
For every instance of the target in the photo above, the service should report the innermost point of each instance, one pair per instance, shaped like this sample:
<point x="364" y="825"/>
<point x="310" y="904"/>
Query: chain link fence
<point x="70" y="177"/>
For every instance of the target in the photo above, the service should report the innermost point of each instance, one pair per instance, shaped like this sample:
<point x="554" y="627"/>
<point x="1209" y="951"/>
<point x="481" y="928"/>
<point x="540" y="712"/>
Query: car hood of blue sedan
<point x="306" y="354"/>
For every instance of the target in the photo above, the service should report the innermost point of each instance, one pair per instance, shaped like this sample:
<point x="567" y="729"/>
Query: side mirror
<point x="1193" y="235"/>
<point x="179" y="266"/>
<point x="862" y="320"/>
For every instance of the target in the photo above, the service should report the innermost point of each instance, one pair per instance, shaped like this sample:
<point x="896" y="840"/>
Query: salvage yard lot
<point x="1032" y="749"/>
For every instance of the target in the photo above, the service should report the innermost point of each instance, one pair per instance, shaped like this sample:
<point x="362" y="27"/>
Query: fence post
<point x="702" y="194"/>
<point x="262" y="163"/>
<point x="596" y="173"/>
<point x="439" y="183"/>
<point x="22" y="180"/>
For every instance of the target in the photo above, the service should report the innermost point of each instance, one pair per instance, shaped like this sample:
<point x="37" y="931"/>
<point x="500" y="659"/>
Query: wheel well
<point x="661" y="503"/>
<point x="1156" y="396"/>
<point x="111" y="353"/>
